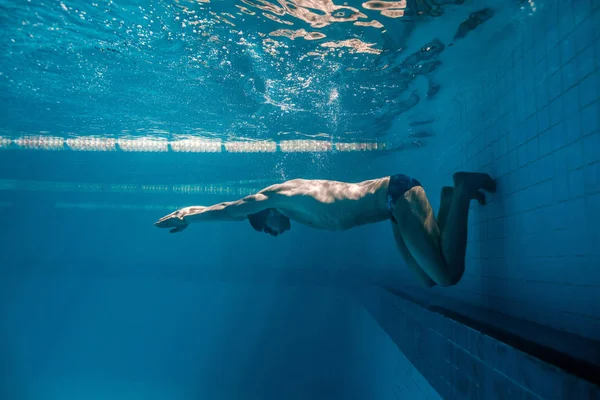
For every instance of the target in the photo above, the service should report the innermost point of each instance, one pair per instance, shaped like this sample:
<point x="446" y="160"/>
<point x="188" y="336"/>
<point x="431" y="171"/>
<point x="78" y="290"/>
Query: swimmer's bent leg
<point x="440" y="253"/>
<point x="409" y="259"/>
<point x="421" y="234"/>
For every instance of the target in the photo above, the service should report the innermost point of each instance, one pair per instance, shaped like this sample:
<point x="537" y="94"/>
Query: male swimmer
<point x="434" y="248"/>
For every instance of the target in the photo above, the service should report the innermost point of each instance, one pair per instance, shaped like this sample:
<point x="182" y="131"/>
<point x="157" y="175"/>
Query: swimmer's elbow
<point x="248" y="205"/>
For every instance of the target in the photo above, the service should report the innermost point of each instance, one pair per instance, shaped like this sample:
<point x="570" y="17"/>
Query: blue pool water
<point x="115" y="113"/>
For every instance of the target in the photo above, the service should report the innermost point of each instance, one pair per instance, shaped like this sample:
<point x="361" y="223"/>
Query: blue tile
<point x="561" y="239"/>
<point x="476" y="345"/>
<point x="540" y="71"/>
<point x="555" y="109"/>
<point x="596" y="46"/>
<point x="550" y="14"/>
<point x="515" y="138"/>
<point x="574" y="155"/>
<point x="478" y="143"/>
<point x="545" y="171"/>
<point x="513" y="160"/>
<point x="527" y="65"/>
<point x="591" y="144"/>
<point x="503" y="124"/>
<point x="576" y="183"/>
<point x="531" y="127"/>
<point x="567" y="50"/>
<point x="529" y="105"/>
<point x="558" y="210"/>
<point x="546" y="143"/>
<point x="560" y="188"/>
<point x="570" y="103"/>
<point x="542" y="96"/>
<point x="520" y="96"/>
<point x="499" y="135"/>
<point x="569" y="75"/>
<point x="536" y="377"/>
<point x="495" y="385"/>
<point x="592" y="210"/>
<point x="566" y="21"/>
<point x="438" y="325"/>
<point x="554" y="85"/>
<point x="538" y="27"/>
<point x="572" y="130"/>
<point x="517" y="57"/>
<point x="588" y="296"/>
<point x="539" y="51"/>
<point x="532" y="149"/>
<point x="584" y="34"/>
<point x="544" y="193"/>
<point x="553" y="63"/>
<point x="522" y="156"/>
<point x="556" y="136"/>
<point x="588" y="90"/>
<point x="461" y="336"/>
<point x="577" y="219"/>
<point x="584" y="62"/>
<point x="543" y="119"/>
<point x="590" y="120"/>
<point x="591" y="177"/>
<point x="585" y="8"/>
<point x="559" y="165"/>
<point x="522" y="178"/>
<point x="551" y="37"/>
<point x="510" y="75"/>
<point x="529" y="81"/>
<point x="500" y="147"/>
<point x="528" y="41"/>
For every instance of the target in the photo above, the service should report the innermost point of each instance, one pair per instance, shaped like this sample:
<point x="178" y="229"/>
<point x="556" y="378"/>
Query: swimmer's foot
<point x="480" y="197"/>
<point x="474" y="181"/>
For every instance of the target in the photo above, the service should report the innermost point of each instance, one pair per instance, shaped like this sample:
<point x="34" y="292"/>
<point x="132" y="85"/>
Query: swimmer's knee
<point x="445" y="281"/>
<point x="440" y="274"/>
<point x="451" y="276"/>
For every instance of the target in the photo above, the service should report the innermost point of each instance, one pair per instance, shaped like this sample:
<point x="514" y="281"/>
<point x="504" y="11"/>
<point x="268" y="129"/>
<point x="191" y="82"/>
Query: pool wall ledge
<point x="466" y="358"/>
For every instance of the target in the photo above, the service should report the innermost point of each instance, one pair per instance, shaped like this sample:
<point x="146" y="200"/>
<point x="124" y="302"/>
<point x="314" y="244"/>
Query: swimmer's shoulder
<point x="285" y="188"/>
<point x="295" y="189"/>
<point x="377" y="184"/>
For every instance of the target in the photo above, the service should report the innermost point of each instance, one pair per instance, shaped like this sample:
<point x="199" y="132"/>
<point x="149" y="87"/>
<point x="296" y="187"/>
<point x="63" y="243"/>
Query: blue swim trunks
<point x="399" y="184"/>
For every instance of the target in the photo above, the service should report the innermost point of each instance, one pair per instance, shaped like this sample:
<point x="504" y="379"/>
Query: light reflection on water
<point x="259" y="69"/>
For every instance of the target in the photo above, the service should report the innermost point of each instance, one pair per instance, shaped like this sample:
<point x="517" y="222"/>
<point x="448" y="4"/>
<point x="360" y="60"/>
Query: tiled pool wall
<point x="388" y="373"/>
<point x="530" y="119"/>
<point x="463" y="362"/>
<point x="528" y="113"/>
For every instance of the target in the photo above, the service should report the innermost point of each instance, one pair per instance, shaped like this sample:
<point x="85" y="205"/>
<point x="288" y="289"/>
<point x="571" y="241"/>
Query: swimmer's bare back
<point x="321" y="204"/>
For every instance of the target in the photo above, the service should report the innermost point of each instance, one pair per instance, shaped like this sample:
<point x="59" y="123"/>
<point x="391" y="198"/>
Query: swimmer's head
<point x="269" y="221"/>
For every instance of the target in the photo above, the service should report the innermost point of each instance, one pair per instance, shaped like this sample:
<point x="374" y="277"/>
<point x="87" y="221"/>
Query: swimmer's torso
<point x="333" y="205"/>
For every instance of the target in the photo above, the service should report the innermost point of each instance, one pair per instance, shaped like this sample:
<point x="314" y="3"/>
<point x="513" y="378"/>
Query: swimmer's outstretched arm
<point x="229" y="211"/>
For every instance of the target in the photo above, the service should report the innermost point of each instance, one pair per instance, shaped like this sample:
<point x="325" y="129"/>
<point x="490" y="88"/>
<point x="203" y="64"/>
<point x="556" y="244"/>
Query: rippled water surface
<point x="227" y="69"/>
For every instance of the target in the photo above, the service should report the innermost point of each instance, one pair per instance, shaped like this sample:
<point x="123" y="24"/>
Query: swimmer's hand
<point x="175" y="220"/>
